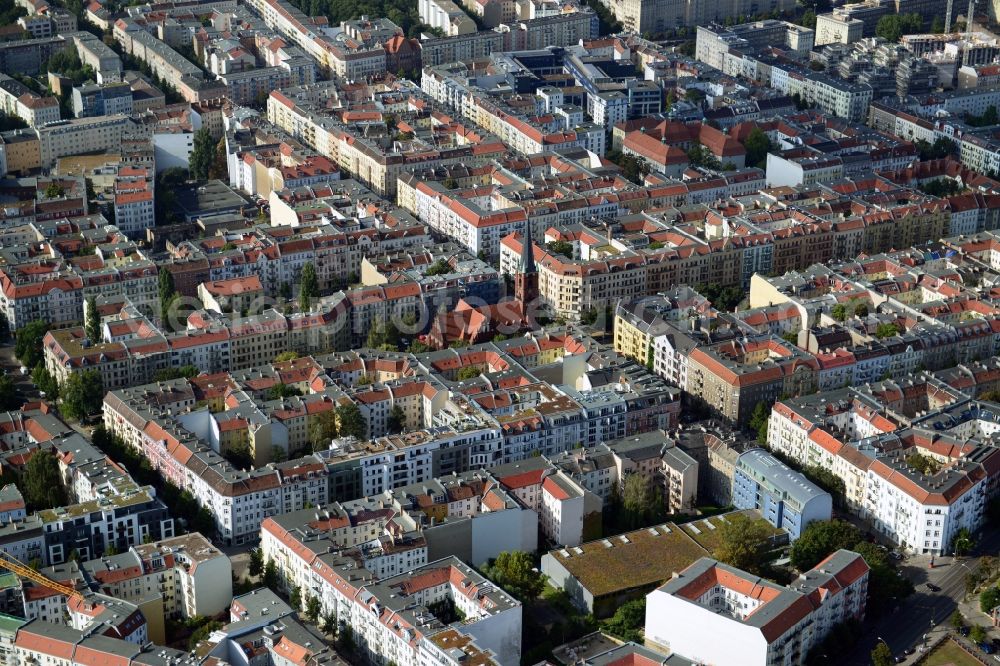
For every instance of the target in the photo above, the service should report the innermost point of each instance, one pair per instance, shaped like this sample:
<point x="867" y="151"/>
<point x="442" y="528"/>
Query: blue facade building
<point x="783" y="496"/>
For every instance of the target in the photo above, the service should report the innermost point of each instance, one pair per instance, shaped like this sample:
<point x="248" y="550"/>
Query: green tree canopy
<point x="642" y="503"/>
<point x="82" y="394"/>
<point x="45" y="382"/>
<point x="759" y="418"/>
<point x="821" y="538"/>
<point x="893" y="26"/>
<point x="758" y="144"/>
<point x="744" y="543"/>
<point x="183" y="372"/>
<point x="396" y="421"/>
<point x="256" y="566"/>
<point x="9" y="399"/>
<point x="628" y="621"/>
<point x="28" y="347"/>
<point x="515" y="572"/>
<point x="279" y="391"/>
<point x="93" y="321"/>
<point x="41" y="482"/>
<point x="271" y="575"/>
<point x="963" y="542"/>
<point x="313" y="608"/>
<point x="350" y="422"/>
<point x="989" y="599"/>
<point x="202" y="154"/>
<point x="322" y="428"/>
<point x="888" y="330"/>
<point x="439" y="267"/>
<point x="882" y="655"/>
<point x="308" y="286"/>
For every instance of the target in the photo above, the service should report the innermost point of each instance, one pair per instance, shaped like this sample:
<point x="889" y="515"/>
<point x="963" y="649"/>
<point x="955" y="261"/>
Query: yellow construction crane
<point x="15" y="565"/>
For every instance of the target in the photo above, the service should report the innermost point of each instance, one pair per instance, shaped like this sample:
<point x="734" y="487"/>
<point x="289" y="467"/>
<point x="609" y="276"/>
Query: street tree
<point x="271" y="575"/>
<point x="963" y="542"/>
<point x="45" y="382"/>
<point x="882" y="655"/>
<point x="256" y="566"/>
<point x="28" y="347"/>
<point x="989" y="599"/>
<point x="9" y="399"/>
<point x="313" y="608"/>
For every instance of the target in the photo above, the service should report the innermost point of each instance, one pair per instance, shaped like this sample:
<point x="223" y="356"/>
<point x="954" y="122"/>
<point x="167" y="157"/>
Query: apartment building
<point x="917" y="484"/>
<point x="28" y="56"/>
<point x="134" y="201"/>
<point x="446" y="16"/>
<point x="783" y="496"/>
<point x="301" y="113"/>
<point x="193" y="578"/>
<point x="40" y="642"/>
<point x="351" y="590"/>
<point x="732" y="377"/>
<point x="92" y="51"/>
<point x="656" y="16"/>
<point x="713" y="613"/>
<point x="17" y="100"/>
<point x="165" y="62"/>
<point x="80" y="136"/>
<point x="93" y="99"/>
<point x="714" y="41"/>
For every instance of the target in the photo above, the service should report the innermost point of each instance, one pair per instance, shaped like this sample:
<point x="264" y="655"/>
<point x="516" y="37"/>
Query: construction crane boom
<point x="13" y="564"/>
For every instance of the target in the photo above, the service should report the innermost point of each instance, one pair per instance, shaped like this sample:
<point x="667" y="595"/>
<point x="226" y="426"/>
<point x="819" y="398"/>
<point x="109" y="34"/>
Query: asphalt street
<point x="906" y="627"/>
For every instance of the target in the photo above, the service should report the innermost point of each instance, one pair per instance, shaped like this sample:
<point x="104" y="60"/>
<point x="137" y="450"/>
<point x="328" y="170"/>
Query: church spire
<point x="526" y="280"/>
<point x="527" y="251"/>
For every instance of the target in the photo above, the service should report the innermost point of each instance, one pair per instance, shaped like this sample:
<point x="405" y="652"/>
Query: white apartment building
<point x="446" y="16"/>
<point x="920" y="512"/>
<point x="17" y="100"/>
<point x="389" y="617"/>
<point x="712" y="613"/>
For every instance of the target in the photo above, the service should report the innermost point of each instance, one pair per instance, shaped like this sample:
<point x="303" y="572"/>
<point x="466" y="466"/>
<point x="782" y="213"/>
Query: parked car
<point x="964" y="630"/>
<point x="24" y="370"/>
<point x="987" y="647"/>
<point x="933" y="588"/>
<point x="896" y="555"/>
